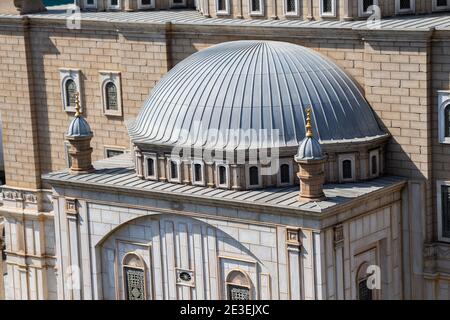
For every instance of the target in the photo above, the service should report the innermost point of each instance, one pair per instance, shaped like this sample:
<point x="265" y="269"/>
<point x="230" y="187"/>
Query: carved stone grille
<point x="71" y="90"/>
<point x="256" y="6"/>
<point x="238" y="292"/>
<point x="446" y="211"/>
<point x="111" y="96"/>
<point x="134" y="281"/>
<point x="364" y="293"/>
<point x="291" y="6"/>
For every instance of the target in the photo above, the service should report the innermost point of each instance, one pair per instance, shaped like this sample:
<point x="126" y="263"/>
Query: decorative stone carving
<point x="71" y="206"/>
<point x="338" y="235"/>
<point x="293" y="236"/>
<point x="30" y="198"/>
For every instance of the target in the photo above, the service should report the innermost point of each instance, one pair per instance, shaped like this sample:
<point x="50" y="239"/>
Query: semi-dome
<point x="253" y="85"/>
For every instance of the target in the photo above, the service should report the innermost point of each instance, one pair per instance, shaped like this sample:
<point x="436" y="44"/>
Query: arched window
<point x="254" y="176"/>
<point x="347" y="169"/>
<point x="134" y="277"/>
<point x="173" y="170"/>
<point x="222" y="175"/>
<point x="374" y="160"/>
<point x="447" y="121"/>
<point x="150" y="167"/>
<point x="238" y="286"/>
<point x="198" y="172"/>
<point x="285" y="174"/>
<point x="111" y="96"/>
<point x="71" y="90"/>
<point x="364" y="293"/>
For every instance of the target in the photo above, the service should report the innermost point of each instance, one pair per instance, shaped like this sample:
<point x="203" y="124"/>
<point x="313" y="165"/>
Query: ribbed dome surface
<point x="309" y="149"/>
<point x="79" y="128"/>
<point x="253" y="85"/>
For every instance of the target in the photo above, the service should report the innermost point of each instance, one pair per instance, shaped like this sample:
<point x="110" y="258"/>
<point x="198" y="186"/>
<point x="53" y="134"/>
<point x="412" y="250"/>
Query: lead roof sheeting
<point x="273" y="196"/>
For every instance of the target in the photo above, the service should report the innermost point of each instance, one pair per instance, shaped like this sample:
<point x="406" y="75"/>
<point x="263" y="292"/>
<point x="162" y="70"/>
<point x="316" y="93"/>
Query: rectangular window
<point x="256" y="7"/>
<point x="439" y="5"/>
<point x="443" y="202"/>
<point x="197" y="173"/>
<point x="222" y="180"/>
<point x="328" y="8"/>
<point x="178" y="3"/>
<point x="150" y="166"/>
<point x="291" y="7"/>
<point x="113" y="152"/>
<point x="445" y="211"/>
<point x="223" y="7"/>
<point x="174" y="174"/>
<point x="90" y="3"/>
<point x="365" y="7"/>
<point x="114" y="4"/>
<point x="146" y="4"/>
<point x="347" y="171"/>
<point x="405" y="6"/>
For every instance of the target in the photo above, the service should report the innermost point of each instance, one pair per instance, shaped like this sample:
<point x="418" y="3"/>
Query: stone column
<point x="347" y="16"/>
<point x="310" y="15"/>
<point x="139" y="162"/>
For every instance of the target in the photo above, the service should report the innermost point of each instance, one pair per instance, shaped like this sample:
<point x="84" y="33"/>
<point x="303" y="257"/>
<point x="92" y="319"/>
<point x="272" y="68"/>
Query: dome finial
<point x="77" y="105"/>
<point x="309" y="131"/>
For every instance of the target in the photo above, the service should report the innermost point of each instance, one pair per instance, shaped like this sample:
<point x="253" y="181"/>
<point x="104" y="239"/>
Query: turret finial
<point x="309" y="131"/>
<point x="77" y="105"/>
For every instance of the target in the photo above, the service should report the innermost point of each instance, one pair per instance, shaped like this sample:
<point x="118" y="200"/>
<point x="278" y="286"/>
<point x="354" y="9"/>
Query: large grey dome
<point x="253" y="85"/>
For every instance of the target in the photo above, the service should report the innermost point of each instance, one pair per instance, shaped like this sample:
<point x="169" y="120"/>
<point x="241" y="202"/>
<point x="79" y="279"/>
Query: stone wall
<point x="17" y="106"/>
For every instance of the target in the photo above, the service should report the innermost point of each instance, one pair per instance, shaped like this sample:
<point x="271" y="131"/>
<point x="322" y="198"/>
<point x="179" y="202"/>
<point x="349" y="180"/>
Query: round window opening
<point x="185" y="276"/>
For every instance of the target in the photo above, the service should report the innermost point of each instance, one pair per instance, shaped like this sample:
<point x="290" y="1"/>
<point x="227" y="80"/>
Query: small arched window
<point x="111" y="96"/>
<point x="364" y="292"/>
<point x="347" y="169"/>
<point x="447" y="121"/>
<point x="134" y="277"/>
<point x="173" y="170"/>
<point x="222" y="175"/>
<point x="150" y="167"/>
<point x="198" y="177"/>
<point x="238" y="286"/>
<point x="374" y="160"/>
<point x="285" y="174"/>
<point x="71" y="91"/>
<point x="254" y="176"/>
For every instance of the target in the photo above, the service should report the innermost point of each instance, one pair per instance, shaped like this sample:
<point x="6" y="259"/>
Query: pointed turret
<point x="311" y="160"/>
<point x="79" y="136"/>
